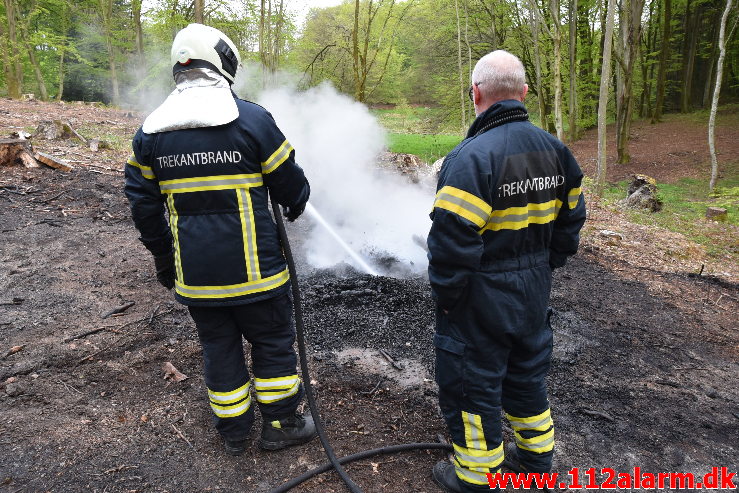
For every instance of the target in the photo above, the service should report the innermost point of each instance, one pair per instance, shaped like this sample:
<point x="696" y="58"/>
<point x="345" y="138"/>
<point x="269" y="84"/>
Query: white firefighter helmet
<point x="199" y="46"/>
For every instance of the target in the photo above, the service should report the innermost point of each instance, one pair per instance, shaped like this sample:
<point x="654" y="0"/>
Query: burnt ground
<point x="644" y="374"/>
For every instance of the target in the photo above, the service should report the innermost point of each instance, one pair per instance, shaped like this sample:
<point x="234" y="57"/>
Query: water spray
<point x="357" y="258"/>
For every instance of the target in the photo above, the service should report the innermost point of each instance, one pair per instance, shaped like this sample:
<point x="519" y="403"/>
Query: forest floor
<point x="645" y="367"/>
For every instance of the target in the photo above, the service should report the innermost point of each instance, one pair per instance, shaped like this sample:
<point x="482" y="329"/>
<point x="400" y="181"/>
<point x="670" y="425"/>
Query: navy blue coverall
<point x="508" y="210"/>
<point x="230" y="270"/>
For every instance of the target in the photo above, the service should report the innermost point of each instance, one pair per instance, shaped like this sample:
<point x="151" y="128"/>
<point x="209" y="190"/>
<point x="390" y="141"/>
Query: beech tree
<point x="716" y="93"/>
<point x="603" y="99"/>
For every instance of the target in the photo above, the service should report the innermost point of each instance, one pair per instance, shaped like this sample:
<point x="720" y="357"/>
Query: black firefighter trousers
<point x="267" y="326"/>
<point x="493" y="352"/>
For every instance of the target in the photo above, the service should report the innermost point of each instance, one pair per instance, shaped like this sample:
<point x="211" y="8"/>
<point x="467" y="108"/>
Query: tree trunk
<point x="584" y="34"/>
<point x="573" y="71"/>
<point x="355" y="51"/>
<point x="43" y="93"/>
<point x="647" y="68"/>
<point x="107" y="17"/>
<point x="716" y="93"/>
<point x="136" y="11"/>
<point x="557" y="41"/>
<point x="537" y="67"/>
<point x="708" y="87"/>
<point x="663" y="60"/>
<point x="199" y="8"/>
<point x="605" y="76"/>
<point x="689" y="59"/>
<point x="7" y="68"/>
<point x="15" y="73"/>
<point x="60" y="87"/>
<point x="630" y="41"/>
<point x="463" y="105"/>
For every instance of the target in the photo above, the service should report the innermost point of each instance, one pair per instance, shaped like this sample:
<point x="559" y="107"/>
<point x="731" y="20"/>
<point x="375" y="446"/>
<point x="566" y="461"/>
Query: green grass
<point x="685" y="203"/>
<point x="427" y="147"/>
<point x="419" y="130"/>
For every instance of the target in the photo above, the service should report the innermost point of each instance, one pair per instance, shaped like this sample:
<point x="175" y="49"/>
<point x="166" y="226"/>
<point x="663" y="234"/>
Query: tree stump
<point x="17" y="152"/>
<point x="57" y="129"/>
<point x="642" y="194"/>
<point x="717" y="214"/>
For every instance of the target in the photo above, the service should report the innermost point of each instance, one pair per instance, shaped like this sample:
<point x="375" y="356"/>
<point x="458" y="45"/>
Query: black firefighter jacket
<point x="214" y="182"/>
<point x="505" y="193"/>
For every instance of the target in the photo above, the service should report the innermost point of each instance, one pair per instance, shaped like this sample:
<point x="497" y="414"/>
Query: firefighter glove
<point x="165" y="269"/>
<point x="292" y="213"/>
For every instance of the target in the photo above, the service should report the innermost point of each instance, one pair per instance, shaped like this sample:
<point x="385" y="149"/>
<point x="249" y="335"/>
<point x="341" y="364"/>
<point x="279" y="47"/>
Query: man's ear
<point x="477" y="93"/>
<point x="525" y="91"/>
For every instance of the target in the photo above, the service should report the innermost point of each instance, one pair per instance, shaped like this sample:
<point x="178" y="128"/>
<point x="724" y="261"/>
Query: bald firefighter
<point x="210" y="159"/>
<point x="508" y="211"/>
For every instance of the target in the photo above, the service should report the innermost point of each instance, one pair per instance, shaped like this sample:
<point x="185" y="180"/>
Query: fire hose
<point x="334" y="462"/>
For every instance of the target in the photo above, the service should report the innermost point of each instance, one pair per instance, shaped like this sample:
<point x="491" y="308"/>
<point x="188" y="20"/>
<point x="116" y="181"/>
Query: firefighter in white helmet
<point x="212" y="159"/>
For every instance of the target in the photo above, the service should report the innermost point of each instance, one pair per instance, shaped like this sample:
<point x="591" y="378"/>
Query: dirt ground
<point x="645" y="369"/>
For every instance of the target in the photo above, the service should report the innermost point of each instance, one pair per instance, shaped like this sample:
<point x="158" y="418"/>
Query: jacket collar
<point x="508" y="110"/>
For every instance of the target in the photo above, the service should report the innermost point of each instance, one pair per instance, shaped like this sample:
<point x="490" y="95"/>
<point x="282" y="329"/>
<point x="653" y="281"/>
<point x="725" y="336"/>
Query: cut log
<point x="15" y="152"/>
<point x="53" y="162"/>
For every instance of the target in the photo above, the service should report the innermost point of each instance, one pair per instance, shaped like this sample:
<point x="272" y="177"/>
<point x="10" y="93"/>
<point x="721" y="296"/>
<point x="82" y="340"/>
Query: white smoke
<point x="338" y="143"/>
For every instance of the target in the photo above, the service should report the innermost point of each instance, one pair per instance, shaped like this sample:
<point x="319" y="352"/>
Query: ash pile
<point x="371" y="312"/>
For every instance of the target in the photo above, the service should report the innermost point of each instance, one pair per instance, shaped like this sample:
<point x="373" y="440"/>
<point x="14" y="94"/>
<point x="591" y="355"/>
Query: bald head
<point x="497" y="76"/>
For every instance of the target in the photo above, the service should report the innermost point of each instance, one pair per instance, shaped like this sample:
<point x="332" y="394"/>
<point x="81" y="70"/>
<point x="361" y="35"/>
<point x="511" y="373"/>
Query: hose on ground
<point x="333" y="463"/>
<point x="358" y="456"/>
<point x="301" y="351"/>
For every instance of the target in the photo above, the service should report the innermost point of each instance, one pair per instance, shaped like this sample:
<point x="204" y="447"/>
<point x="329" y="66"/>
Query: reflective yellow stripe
<point x="173" y="218"/>
<point x="464" y="204"/>
<point x="273" y="396"/>
<point x="277" y="158"/>
<point x="211" y="183"/>
<point x="275" y="389"/>
<point x="232" y="290"/>
<point x="229" y="397"/>
<point x="540" y="422"/>
<point x="233" y="410"/>
<point x="146" y="171"/>
<point x="249" y="235"/>
<point x="471" y="475"/>
<point x="473" y="434"/>
<point x="539" y="444"/>
<point x="472" y="458"/>
<point x="520" y="217"/>
<point x="277" y="382"/>
<point x="574" y="197"/>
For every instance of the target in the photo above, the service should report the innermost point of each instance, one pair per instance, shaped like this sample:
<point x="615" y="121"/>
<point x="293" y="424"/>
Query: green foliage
<point x="685" y="204"/>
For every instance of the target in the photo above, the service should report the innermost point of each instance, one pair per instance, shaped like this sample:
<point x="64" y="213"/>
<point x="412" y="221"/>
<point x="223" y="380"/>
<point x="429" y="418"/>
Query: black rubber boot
<point x="235" y="447"/>
<point x="513" y="463"/>
<point x="446" y="477"/>
<point x="293" y="430"/>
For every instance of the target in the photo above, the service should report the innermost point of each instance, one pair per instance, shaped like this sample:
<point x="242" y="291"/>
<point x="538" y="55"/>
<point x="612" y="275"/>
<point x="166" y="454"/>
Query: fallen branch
<point x="89" y="333"/>
<point x="395" y="364"/>
<point x="46" y="201"/>
<point x="598" y="414"/>
<point x="104" y="167"/>
<point x="182" y="436"/>
<point x="119" y="309"/>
